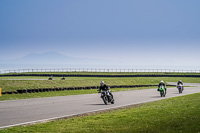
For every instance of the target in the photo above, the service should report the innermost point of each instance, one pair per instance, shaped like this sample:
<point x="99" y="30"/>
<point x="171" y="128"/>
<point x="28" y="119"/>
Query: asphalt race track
<point x="19" y="112"/>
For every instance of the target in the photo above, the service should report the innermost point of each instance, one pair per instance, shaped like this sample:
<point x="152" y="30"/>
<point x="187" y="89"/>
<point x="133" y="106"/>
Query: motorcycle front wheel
<point x="180" y="90"/>
<point x="105" y="100"/>
<point x="161" y="93"/>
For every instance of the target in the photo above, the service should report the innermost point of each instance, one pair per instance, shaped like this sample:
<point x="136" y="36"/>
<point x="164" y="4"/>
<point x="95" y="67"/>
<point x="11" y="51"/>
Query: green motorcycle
<point x="162" y="91"/>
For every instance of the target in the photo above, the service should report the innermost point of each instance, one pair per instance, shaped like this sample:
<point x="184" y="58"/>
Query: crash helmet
<point x="161" y="81"/>
<point x="102" y="83"/>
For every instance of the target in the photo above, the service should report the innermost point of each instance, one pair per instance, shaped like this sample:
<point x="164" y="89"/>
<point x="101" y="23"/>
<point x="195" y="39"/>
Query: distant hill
<point x="50" y="58"/>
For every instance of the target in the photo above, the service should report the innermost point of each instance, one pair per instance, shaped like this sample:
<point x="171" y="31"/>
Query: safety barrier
<point x="72" y="88"/>
<point x="98" y="70"/>
<point x="87" y="75"/>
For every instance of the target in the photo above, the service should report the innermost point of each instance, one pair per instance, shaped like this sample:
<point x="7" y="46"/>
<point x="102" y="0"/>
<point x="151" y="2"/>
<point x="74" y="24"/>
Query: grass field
<point x="9" y="85"/>
<point x="174" y="115"/>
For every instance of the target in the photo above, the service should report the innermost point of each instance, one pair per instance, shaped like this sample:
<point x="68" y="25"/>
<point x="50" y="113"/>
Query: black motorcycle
<point x="107" y="98"/>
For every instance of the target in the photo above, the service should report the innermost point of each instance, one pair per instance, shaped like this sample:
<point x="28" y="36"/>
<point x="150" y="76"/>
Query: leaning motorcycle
<point x="162" y="91"/>
<point x="106" y="97"/>
<point x="180" y="88"/>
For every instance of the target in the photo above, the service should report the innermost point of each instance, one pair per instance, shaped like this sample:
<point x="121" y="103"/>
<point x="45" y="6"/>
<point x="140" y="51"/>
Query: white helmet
<point x="161" y="81"/>
<point x="102" y="83"/>
<point x="180" y="81"/>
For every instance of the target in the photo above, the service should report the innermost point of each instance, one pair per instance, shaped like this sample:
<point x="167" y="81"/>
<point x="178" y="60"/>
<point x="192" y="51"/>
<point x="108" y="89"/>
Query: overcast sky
<point x="139" y="32"/>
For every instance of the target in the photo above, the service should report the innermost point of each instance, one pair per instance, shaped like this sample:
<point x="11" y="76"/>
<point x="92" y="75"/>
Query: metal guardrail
<point x="102" y="75"/>
<point x="73" y="88"/>
<point x="98" y="70"/>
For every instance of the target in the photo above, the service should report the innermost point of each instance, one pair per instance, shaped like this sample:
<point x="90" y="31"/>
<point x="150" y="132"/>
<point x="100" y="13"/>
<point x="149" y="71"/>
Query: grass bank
<point x="178" y="114"/>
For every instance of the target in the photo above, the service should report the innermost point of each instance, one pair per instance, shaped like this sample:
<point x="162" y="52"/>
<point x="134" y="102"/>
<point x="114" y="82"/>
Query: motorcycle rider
<point x="179" y="83"/>
<point x="162" y="84"/>
<point x="104" y="87"/>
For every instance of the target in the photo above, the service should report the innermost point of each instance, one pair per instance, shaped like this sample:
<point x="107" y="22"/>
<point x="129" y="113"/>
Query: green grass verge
<point x="178" y="114"/>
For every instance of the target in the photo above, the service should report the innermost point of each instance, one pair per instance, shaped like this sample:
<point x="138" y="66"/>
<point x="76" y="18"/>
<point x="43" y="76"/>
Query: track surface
<point x="18" y="112"/>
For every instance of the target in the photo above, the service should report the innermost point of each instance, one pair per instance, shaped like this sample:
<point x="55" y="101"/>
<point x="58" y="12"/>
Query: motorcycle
<point x="162" y="91"/>
<point x="180" y="88"/>
<point x="51" y="77"/>
<point x="106" y="97"/>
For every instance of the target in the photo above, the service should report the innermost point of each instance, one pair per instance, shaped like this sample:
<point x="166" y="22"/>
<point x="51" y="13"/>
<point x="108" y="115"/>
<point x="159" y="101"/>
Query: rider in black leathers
<point x="104" y="87"/>
<point x="179" y="82"/>
<point x="162" y="84"/>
